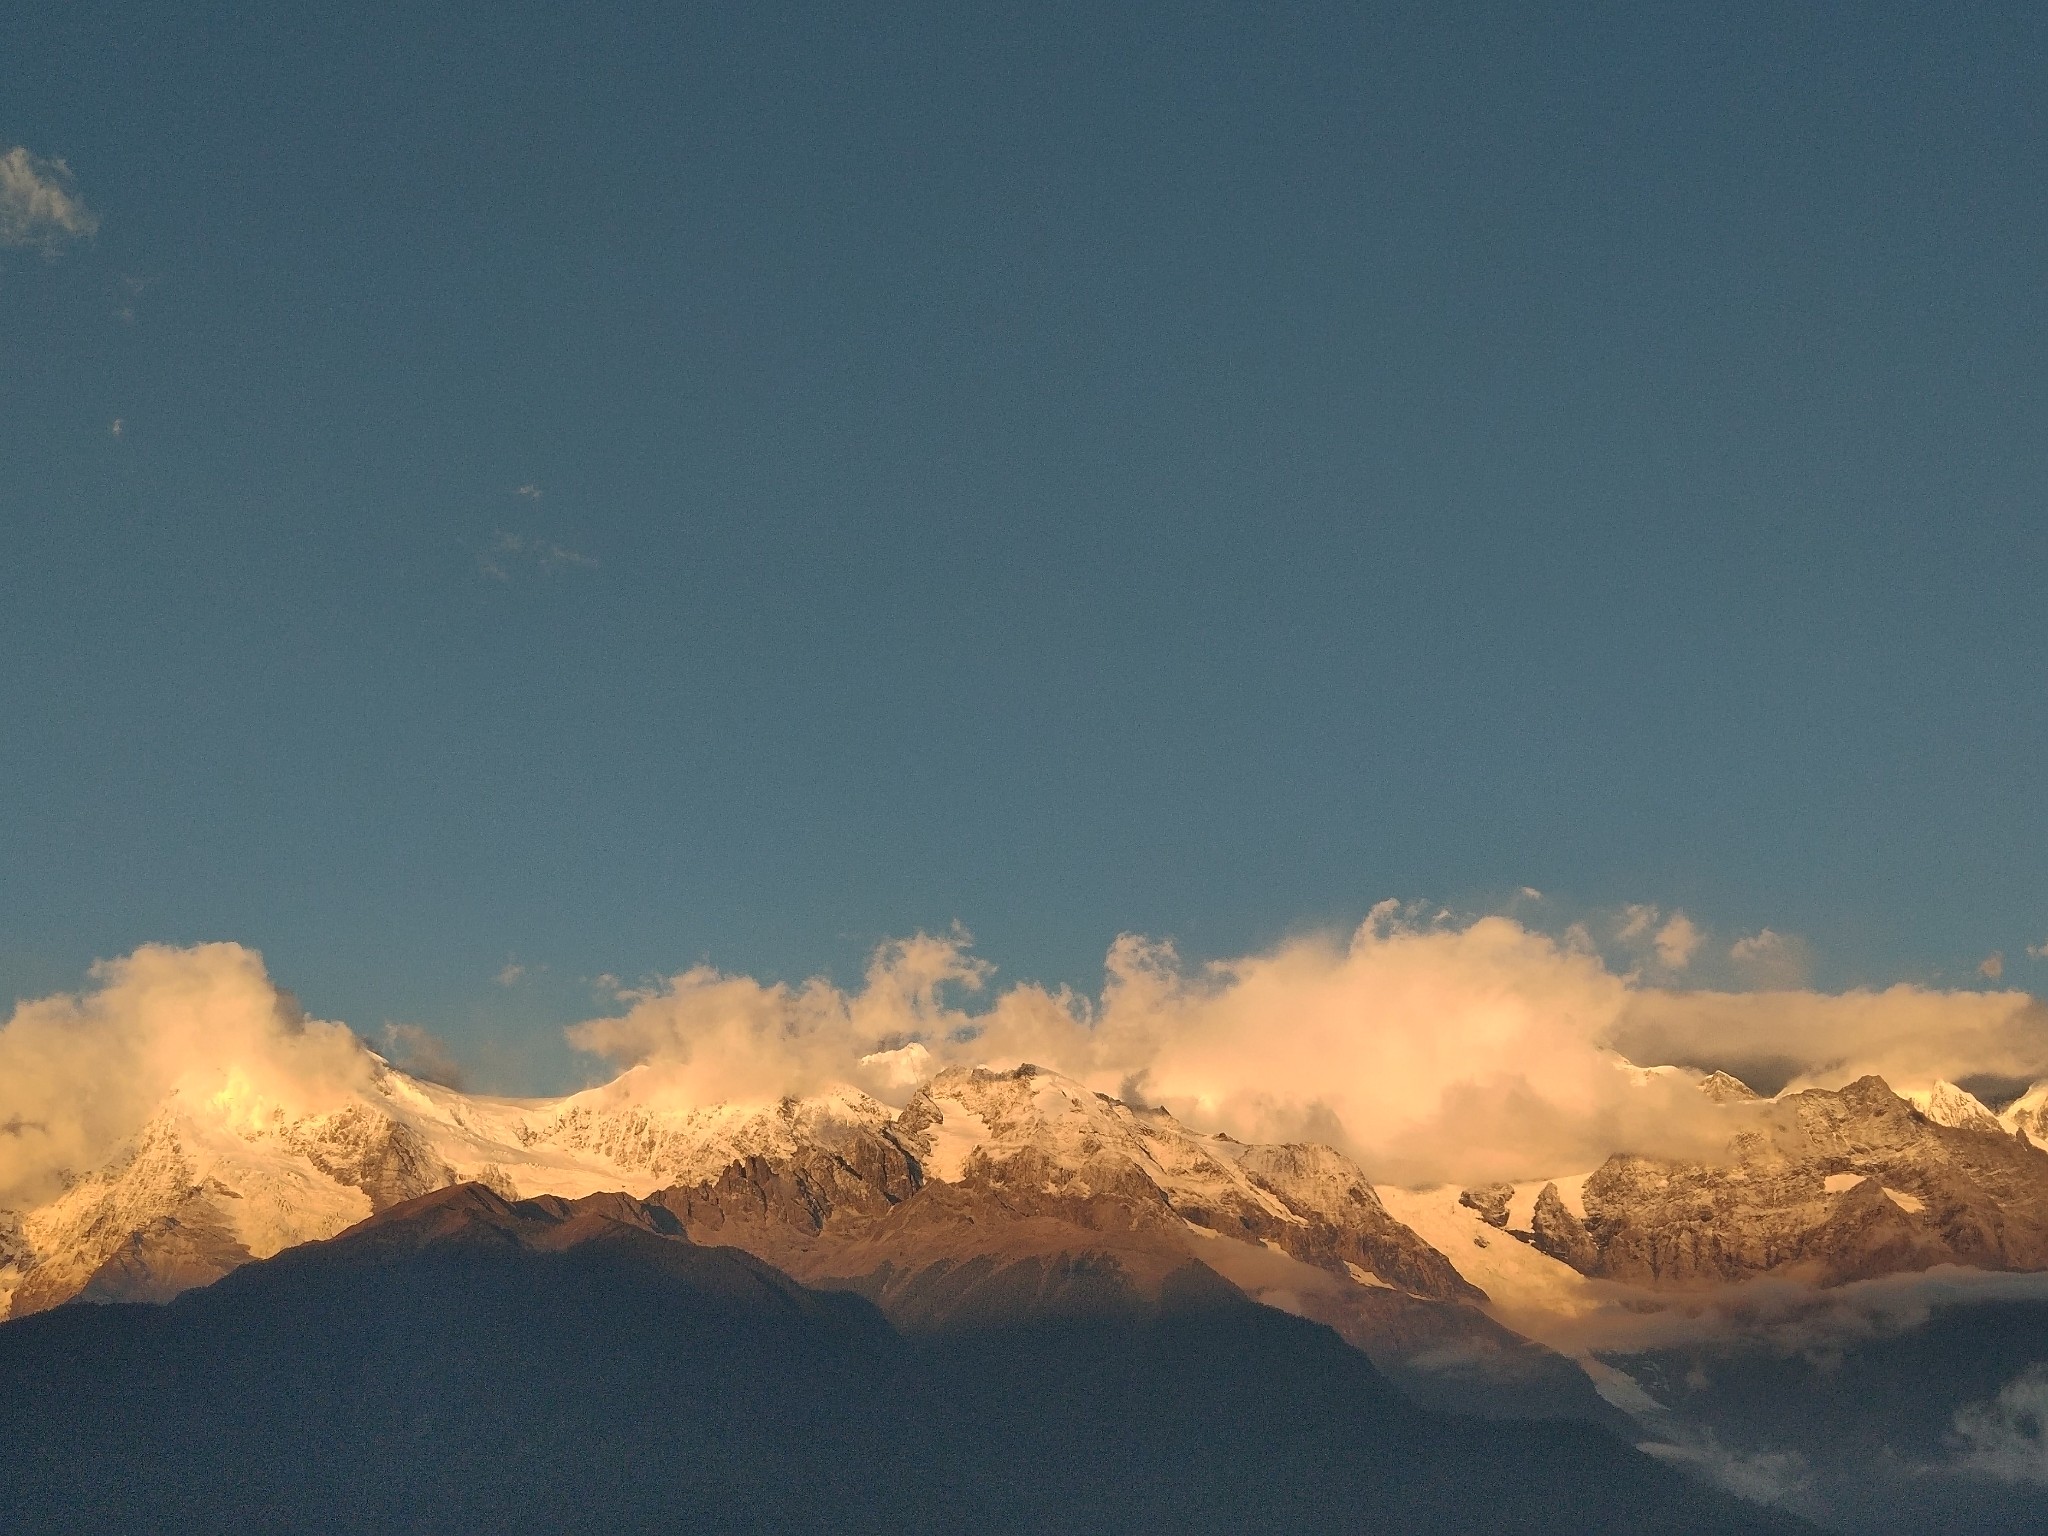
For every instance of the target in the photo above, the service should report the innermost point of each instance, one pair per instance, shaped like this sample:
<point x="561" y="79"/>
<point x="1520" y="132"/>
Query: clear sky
<point x="555" y="491"/>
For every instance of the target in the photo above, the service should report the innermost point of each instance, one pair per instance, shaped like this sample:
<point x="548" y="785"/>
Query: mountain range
<point x="1642" y="1302"/>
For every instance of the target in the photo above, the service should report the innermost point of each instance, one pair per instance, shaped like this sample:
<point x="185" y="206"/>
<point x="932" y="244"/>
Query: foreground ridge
<point x="462" y="1362"/>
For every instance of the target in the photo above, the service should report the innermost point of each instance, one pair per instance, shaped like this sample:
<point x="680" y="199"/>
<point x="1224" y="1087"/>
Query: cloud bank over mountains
<point x="1430" y="1049"/>
<point x="80" y="1073"/>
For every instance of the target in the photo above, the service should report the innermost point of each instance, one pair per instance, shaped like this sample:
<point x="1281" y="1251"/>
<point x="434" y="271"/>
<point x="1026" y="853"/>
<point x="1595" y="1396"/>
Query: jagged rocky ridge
<point x="1826" y="1186"/>
<point x="989" y="1196"/>
<point x="1026" y="1144"/>
<point x="1001" y="1195"/>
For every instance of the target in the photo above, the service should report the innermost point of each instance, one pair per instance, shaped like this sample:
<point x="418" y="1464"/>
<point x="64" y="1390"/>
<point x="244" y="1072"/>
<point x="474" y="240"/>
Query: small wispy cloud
<point x="2039" y="951"/>
<point x="1678" y="941"/>
<point x="116" y="428"/>
<point x="1762" y="1477"/>
<point x="419" y="1053"/>
<point x="132" y="288"/>
<point x="1767" y="958"/>
<point x="1992" y="966"/>
<point x="1636" y="920"/>
<point x="2007" y="1438"/>
<point x="38" y="207"/>
<point x="1675" y="939"/>
<point x="510" y="553"/>
<point x="529" y="490"/>
<point x="613" y="989"/>
<point x="510" y="975"/>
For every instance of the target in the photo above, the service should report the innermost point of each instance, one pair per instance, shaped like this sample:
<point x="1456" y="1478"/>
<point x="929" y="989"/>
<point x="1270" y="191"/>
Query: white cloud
<point x="1434" y="1051"/>
<point x="512" y="552"/>
<point x="510" y="974"/>
<point x="1431" y="1051"/>
<point x="422" y="1054"/>
<point x="1636" y="920"/>
<point x="37" y="204"/>
<point x="1762" y="1477"/>
<point x="2039" y="951"/>
<point x="1992" y="966"/>
<point x="2007" y="1438"/>
<point x="1674" y="940"/>
<point x="1678" y="941"/>
<point x="1770" y="1314"/>
<point x="1768" y="959"/>
<point x="704" y="1036"/>
<point x="529" y="490"/>
<point x="115" y="429"/>
<point x="81" y="1073"/>
<point x="1908" y="1035"/>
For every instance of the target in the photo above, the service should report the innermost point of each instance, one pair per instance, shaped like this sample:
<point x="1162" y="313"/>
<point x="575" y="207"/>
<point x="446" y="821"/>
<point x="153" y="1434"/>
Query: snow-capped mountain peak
<point x="1958" y="1108"/>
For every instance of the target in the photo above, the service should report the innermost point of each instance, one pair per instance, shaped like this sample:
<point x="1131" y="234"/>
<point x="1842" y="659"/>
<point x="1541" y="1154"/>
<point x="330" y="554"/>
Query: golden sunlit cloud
<point x="1432" y="1050"/>
<point x="79" y="1074"/>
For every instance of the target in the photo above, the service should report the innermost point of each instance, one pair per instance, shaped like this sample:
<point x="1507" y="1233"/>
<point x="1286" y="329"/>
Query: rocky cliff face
<point x="994" y="1166"/>
<point x="1011" y="1197"/>
<point x="361" y="1148"/>
<point x="1827" y="1186"/>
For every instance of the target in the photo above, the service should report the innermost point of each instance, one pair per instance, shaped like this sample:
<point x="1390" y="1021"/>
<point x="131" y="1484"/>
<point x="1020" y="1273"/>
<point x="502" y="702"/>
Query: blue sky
<point x="596" y="492"/>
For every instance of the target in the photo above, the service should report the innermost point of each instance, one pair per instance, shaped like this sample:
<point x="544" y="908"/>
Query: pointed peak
<point x="1871" y="1092"/>
<point x="1956" y="1107"/>
<point x="1726" y="1088"/>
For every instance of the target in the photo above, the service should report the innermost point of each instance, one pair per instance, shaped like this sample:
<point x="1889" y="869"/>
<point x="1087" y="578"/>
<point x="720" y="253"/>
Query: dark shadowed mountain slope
<point x="462" y="1363"/>
<point x="1933" y="1424"/>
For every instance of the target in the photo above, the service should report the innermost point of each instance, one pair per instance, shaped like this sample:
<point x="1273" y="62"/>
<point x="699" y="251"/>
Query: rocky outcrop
<point x="1354" y="1229"/>
<point x="1030" y="1151"/>
<point x="1830" y="1186"/>
<point x="384" y="1158"/>
<point x="996" y="1198"/>
<point x="774" y="1203"/>
<point x="1491" y="1201"/>
<point x="1556" y="1231"/>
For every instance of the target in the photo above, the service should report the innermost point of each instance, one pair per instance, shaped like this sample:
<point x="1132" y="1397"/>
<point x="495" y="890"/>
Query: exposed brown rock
<point x="1490" y="1201"/>
<point x="1556" y="1231"/>
<point x="1983" y="1199"/>
<point x="385" y="1160"/>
